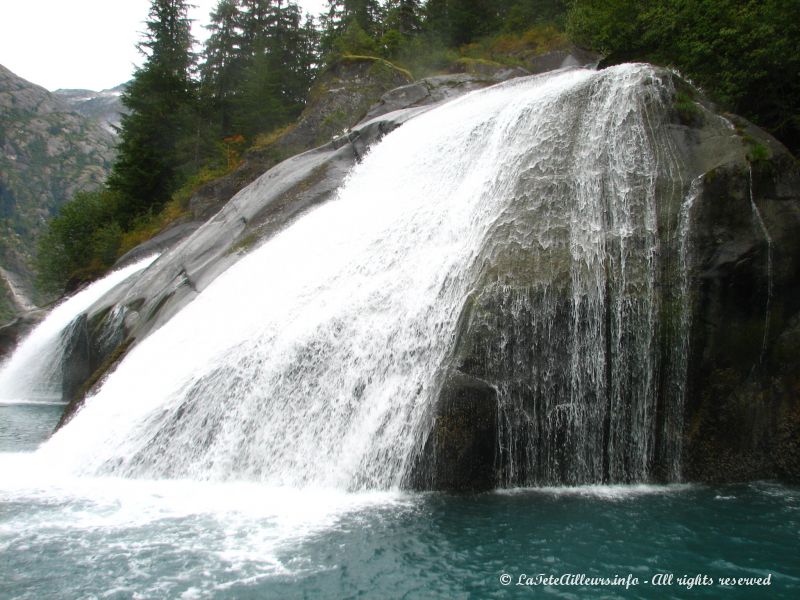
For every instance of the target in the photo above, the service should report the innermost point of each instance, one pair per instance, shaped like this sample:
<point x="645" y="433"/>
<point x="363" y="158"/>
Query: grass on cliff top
<point x="177" y="208"/>
<point x="267" y="138"/>
<point x="424" y="57"/>
<point x="515" y="49"/>
<point x="377" y="62"/>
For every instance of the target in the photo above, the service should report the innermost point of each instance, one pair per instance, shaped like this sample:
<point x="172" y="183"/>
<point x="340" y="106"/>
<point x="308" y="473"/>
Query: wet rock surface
<point x="742" y="413"/>
<point x="742" y="402"/>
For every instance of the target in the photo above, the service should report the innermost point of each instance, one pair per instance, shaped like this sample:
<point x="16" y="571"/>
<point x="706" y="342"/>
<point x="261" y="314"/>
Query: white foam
<point x="242" y="524"/>
<point x="603" y="492"/>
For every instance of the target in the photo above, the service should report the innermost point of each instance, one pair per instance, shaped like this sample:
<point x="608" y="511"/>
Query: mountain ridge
<point x="104" y="106"/>
<point x="48" y="152"/>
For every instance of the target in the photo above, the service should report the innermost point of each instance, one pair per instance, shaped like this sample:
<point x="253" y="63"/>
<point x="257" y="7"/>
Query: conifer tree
<point x="258" y="21"/>
<point x="292" y="45"/>
<point x="357" y="15"/>
<point x="404" y="16"/>
<point x="461" y="21"/>
<point x="155" y="137"/>
<point x="278" y="54"/>
<point x="221" y="73"/>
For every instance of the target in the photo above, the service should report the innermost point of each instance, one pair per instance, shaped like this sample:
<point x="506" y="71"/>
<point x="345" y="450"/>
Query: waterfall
<point x="758" y="219"/>
<point x="317" y="358"/>
<point x="677" y="324"/>
<point x="588" y="349"/>
<point x="32" y="373"/>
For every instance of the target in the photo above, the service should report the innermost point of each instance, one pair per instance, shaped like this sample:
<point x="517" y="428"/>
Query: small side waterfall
<point x="33" y="371"/>
<point x="317" y="359"/>
<point x="757" y="219"/>
<point x="677" y="326"/>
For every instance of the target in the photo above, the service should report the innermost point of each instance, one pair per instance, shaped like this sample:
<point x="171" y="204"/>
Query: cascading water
<point x="33" y="371"/>
<point x="582" y="319"/>
<point x="316" y="359"/>
<point x="676" y="324"/>
<point x="757" y="219"/>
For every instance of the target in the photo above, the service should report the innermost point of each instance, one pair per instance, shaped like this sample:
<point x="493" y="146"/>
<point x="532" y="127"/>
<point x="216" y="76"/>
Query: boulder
<point x="740" y="419"/>
<point x="743" y="403"/>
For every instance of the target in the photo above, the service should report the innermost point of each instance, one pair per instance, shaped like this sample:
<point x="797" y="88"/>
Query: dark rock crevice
<point x="461" y="449"/>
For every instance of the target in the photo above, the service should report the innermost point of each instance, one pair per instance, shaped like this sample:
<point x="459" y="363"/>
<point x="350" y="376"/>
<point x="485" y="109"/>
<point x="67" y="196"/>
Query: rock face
<point x="462" y="449"/>
<point x="741" y="417"/>
<point x="11" y="333"/>
<point x="742" y="406"/>
<point x="48" y="152"/>
<point x="93" y="346"/>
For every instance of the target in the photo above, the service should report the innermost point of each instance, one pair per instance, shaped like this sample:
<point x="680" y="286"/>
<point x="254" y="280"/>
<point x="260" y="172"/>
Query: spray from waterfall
<point x="316" y="359"/>
<point x="33" y="371"/>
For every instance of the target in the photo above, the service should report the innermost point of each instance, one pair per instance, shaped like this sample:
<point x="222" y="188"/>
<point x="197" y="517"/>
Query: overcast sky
<point x="84" y="43"/>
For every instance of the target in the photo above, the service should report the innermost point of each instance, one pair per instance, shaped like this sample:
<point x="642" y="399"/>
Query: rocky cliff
<point x="48" y="152"/>
<point x="740" y="415"/>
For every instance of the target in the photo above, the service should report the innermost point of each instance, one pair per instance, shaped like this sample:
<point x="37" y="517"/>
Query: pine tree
<point x="293" y="47"/>
<point x="156" y="136"/>
<point x="359" y="15"/>
<point x="437" y="17"/>
<point x="367" y="13"/>
<point x="404" y="16"/>
<point x="461" y="21"/>
<point x="258" y="21"/>
<point x="221" y="73"/>
<point x="278" y="54"/>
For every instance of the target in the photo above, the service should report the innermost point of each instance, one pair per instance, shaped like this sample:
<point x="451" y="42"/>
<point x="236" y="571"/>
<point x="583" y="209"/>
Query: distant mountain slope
<point x="104" y="106"/>
<point x="48" y="152"/>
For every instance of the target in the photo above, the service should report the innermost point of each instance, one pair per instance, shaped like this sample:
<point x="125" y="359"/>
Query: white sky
<point x="84" y="43"/>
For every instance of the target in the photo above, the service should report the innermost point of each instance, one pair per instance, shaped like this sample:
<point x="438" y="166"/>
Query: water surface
<point x="73" y="537"/>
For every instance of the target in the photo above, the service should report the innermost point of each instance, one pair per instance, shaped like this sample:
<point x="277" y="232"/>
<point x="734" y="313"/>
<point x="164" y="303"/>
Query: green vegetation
<point x="6" y="307"/>
<point x="758" y="153"/>
<point x="81" y="242"/>
<point x="743" y="53"/>
<point x="156" y="137"/>
<point x="193" y="117"/>
<point x="688" y="110"/>
<point x="188" y="124"/>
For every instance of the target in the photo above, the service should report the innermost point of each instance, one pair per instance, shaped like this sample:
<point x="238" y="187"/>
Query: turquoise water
<point x="24" y="426"/>
<point x="66" y="537"/>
